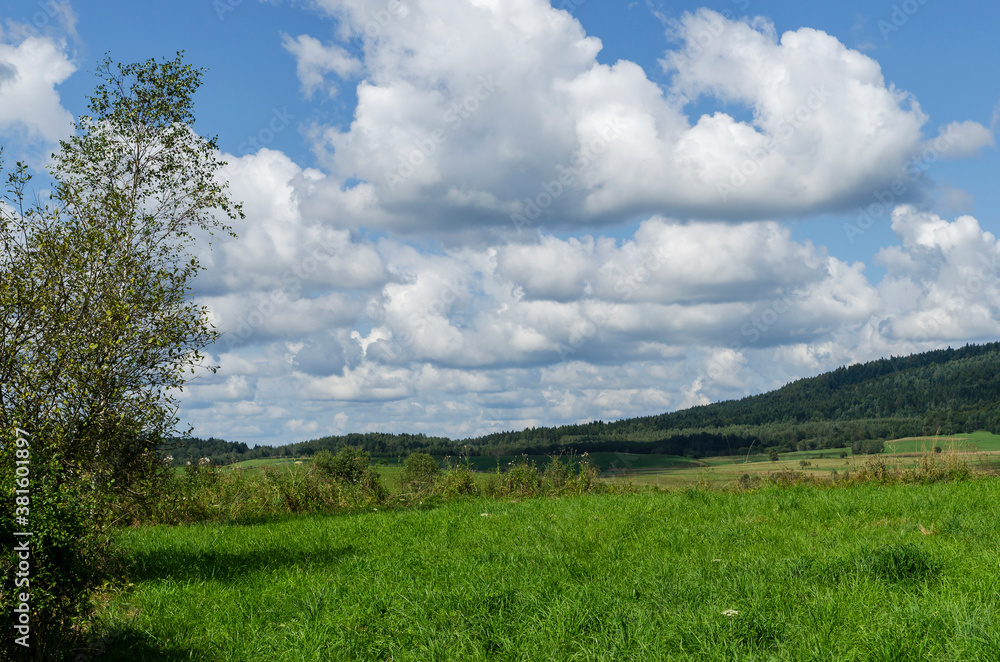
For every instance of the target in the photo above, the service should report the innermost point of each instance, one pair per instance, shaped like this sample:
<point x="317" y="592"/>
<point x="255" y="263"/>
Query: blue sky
<point x="468" y="216"/>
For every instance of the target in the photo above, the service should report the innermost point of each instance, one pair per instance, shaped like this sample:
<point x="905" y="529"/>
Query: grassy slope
<point x="973" y="441"/>
<point x="866" y="573"/>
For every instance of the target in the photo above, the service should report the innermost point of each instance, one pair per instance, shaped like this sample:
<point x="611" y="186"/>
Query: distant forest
<point x="945" y="391"/>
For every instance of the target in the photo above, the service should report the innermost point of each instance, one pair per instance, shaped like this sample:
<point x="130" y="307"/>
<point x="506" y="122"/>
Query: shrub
<point x="747" y="482"/>
<point x="868" y="447"/>
<point x="930" y="469"/>
<point x="459" y="481"/>
<point x="67" y="555"/>
<point x="521" y="479"/>
<point x="348" y="466"/>
<point x="420" y="471"/>
<point x="570" y="475"/>
<point x="323" y="463"/>
<point x="876" y="468"/>
<point x="587" y="478"/>
<point x="372" y="489"/>
<point x="557" y="472"/>
<point x="786" y="477"/>
<point x="242" y="494"/>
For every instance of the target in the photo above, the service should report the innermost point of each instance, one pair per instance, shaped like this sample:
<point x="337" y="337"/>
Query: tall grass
<point x="929" y="468"/>
<point x="205" y="492"/>
<point x="856" y="571"/>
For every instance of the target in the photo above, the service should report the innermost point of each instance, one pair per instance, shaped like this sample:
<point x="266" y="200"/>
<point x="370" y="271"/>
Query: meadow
<point x="816" y="555"/>
<point x="867" y="571"/>
<point x="978" y="449"/>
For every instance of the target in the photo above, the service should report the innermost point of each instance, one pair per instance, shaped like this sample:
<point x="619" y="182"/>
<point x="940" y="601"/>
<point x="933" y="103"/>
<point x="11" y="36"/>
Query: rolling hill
<point x="945" y="391"/>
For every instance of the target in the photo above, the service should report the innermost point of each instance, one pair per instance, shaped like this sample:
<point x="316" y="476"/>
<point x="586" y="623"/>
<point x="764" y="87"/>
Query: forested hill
<point x="945" y="391"/>
<point x="943" y="382"/>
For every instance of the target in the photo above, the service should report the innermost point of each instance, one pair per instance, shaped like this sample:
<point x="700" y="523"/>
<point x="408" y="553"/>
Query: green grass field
<point x="971" y="442"/>
<point x="980" y="449"/>
<point x="869" y="572"/>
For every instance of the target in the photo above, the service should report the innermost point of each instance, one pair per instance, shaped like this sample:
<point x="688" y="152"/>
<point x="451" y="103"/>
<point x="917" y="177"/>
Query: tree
<point x="109" y="334"/>
<point x="99" y="332"/>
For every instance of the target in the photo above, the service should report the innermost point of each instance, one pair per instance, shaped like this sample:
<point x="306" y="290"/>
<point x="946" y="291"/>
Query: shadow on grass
<point x="132" y="645"/>
<point x="225" y="566"/>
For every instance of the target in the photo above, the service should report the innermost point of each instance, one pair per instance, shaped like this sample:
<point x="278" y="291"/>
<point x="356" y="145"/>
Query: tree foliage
<point x="419" y="473"/>
<point x="347" y="466"/>
<point x="99" y="333"/>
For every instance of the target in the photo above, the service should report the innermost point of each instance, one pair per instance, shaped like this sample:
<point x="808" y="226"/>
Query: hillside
<point x="944" y="391"/>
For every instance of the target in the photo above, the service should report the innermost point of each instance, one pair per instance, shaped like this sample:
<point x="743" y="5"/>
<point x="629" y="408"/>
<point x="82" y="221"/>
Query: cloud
<point x="943" y="282"/>
<point x="416" y="284"/>
<point x="316" y="59"/>
<point x="963" y="139"/>
<point x="29" y="103"/>
<point x="471" y="339"/>
<point x="516" y="125"/>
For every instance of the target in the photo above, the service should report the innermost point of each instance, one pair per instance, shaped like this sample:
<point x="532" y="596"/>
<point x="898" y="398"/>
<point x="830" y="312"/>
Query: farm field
<point x="868" y="572"/>
<point x="969" y="442"/>
<point x="978" y="449"/>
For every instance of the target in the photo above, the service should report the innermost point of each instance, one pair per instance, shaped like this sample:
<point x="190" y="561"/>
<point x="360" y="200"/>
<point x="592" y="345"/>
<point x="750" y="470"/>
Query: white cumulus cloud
<point x="29" y="102"/>
<point x="518" y="125"/>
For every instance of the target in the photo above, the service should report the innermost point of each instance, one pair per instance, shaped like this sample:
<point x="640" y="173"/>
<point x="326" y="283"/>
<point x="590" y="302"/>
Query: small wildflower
<point x="730" y="613"/>
<point x="716" y="560"/>
<point x="484" y="514"/>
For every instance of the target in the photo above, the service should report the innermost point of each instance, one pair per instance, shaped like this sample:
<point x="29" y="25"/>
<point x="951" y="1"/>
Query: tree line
<point x="947" y="391"/>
